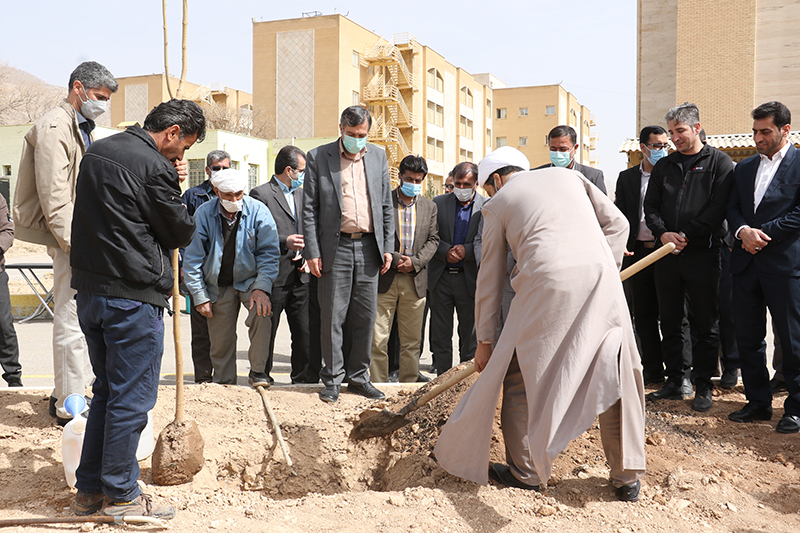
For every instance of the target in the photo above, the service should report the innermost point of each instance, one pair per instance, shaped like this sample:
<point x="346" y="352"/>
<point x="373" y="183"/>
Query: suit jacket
<point x="629" y="199"/>
<point x="446" y="204"/>
<point x="272" y="195"/>
<point x="322" y="212"/>
<point x="778" y="215"/>
<point x="594" y="175"/>
<point x="426" y="242"/>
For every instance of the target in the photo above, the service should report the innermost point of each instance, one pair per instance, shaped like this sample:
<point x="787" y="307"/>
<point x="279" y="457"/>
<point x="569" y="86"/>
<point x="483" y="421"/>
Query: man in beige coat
<point x="566" y="353"/>
<point x="45" y="193"/>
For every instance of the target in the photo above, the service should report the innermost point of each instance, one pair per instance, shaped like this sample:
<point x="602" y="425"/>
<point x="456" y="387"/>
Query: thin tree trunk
<point x="183" y="46"/>
<point x="166" y="47"/>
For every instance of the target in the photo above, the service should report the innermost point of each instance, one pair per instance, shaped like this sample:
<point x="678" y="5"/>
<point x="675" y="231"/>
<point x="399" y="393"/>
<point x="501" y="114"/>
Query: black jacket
<point x="128" y="216"/>
<point x="627" y="198"/>
<point x="693" y="203"/>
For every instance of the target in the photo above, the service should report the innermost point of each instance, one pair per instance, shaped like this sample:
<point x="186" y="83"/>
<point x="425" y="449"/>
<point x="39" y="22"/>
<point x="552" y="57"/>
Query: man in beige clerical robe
<point x="566" y="353"/>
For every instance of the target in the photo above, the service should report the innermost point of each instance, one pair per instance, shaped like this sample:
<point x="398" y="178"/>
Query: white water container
<point x="147" y="442"/>
<point x="72" y="438"/>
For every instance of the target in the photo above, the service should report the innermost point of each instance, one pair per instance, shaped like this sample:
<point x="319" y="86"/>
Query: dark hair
<point x="502" y="172"/>
<point x="780" y="114"/>
<point x="183" y="113"/>
<point x="93" y="75"/>
<point x="355" y="115"/>
<point x="414" y="163"/>
<point x="464" y="169"/>
<point x="647" y="131"/>
<point x="288" y="157"/>
<point x="563" y="131"/>
<point x="215" y="156"/>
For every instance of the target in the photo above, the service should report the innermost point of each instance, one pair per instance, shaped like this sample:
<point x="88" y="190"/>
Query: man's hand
<point x="205" y="310"/>
<point x="182" y="166"/>
<point x="460" y="251"/>
<point x="482" y="355"/>
<point x="295" y="242"/>
<point x="315" y="266"/>
<point x="405" y="265"/>
<point x="627" y="253"/>
<point x="671" y="236"/>
<point x="753" y="240"/>
<point x="452" y="256"/>
<point x="387" y="262"/>
<point x="260" y="300"/>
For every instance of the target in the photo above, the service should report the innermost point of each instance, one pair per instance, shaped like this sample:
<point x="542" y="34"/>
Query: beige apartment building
<point x="525" y="115"/>
<point x="726" y="57"/>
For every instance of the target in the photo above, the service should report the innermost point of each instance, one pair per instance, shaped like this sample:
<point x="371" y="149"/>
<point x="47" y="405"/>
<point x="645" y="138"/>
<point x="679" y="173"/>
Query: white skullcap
<point x="229" y="180"/>
<point x="504" y="156"/>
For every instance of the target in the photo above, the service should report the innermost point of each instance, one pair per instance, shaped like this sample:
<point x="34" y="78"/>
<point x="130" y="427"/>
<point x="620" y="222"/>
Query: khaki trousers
<point x="401" y="298"/>
<point x="514" y="420"/>
<point x="222" y="333"/>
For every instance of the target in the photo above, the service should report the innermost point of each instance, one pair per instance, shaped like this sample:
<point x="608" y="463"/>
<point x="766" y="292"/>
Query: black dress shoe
<point x="788" y="424"/>
<point x="729" y="378"/>
<point x="422" y="379"/>
<point x="751" y="412"/>
<point x="367" y="390"/>
<point x="330" y="393"/>
<point x="777" y="385"/>
<point x="502" y="474"/>
<point x="14" y="382"/>
<point x="629" y="493"/>
<point x="672" y="391"/>
<point x="702" y="400"/>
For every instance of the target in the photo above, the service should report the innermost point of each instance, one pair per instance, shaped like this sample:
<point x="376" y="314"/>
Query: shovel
<point x="375" y="423"/>
<point x="178" y="455"/>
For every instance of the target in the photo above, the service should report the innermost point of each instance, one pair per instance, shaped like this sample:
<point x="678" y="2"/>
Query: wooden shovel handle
<point x="459" y="376"/>
<point x="647" y="261"/>
<point x="176" y="334"/>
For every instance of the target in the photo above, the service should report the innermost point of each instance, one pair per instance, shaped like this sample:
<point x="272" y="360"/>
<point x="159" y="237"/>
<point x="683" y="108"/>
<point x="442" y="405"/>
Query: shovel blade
<point x="375" y="423"/>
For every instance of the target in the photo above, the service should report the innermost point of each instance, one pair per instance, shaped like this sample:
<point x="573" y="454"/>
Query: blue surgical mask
<point x="411" y="189"/>
<point x="353" y="144"/>
<point x="657" y="154"/>
<point x="560" y="159"/>
<point x="299" y="181"/>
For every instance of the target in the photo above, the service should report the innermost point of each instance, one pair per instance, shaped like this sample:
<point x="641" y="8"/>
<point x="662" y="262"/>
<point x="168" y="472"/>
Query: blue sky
<point x="589" y="46"/>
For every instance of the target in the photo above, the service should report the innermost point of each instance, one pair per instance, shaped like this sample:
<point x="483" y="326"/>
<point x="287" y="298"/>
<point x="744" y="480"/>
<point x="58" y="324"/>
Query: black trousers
<point x="451" y="293"/>
<point x="694" y="274"/>
<point x="644" y="297"/>
<point x="727" y="329"/>
<point x="201" y="346"/>
<point x="9" y="349"/>
<point x="293" y="299"/>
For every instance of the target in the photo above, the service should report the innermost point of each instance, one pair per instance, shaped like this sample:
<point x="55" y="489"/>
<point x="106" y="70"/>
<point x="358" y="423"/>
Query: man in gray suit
<point x="453" y="270"/>
<point x="563" y="141"/>
<point x="349" y="231"/>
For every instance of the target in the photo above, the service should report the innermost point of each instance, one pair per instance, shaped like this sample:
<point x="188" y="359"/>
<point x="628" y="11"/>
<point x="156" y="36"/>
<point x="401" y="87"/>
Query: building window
<point x="501" y="141"/>
<point x="550" y="110"/>
<point x="440" y="150"/>
<point x="356" y="59"/>
<point x="252" y="176"/>
<point x="488" y="140"/>
<point x="466" y="97"/>
<point x="6" y="170"/>
<point x="356" y="97"/>
<point x="235" y="164"/>
<point x="435" y="80"/>
<point x="488" y="108"/>
<point x="435" y="114"/>
<point x="501" y="113"/>
<point x="197" y="172"/>
<point x="465" y="127"/>
<point x="523" y="141"/>
<point x="523" y="111"/>
<point x="435" y="149"/>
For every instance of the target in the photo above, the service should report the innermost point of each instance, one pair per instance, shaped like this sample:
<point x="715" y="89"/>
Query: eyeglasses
<point x="217" y="168"/>
<point x="449" y="187"/>
<point x="657" y="146"/>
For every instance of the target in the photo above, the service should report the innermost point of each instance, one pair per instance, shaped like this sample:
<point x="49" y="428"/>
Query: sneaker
<point x="702" y="400"/>
<point x="86" y="504"/>
<point x="141" y="506"/>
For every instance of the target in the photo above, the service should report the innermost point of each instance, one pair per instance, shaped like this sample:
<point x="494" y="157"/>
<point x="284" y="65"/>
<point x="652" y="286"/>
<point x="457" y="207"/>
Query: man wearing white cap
<point x="233" y="259"/>
<point x="566" y="353"/>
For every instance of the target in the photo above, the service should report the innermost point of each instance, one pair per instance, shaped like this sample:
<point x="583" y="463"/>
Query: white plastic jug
<point x="146" y="441"/>
<point x="72" y="438"/>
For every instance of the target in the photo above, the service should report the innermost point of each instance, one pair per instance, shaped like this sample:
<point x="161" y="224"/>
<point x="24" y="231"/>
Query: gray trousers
<point x="222" y="333"/>
<point x="348" y="296"/>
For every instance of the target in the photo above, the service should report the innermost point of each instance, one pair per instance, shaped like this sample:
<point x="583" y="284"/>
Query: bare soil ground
<point x="705" y="473"/>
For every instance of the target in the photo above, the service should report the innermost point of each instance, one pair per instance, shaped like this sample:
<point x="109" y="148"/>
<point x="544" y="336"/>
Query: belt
<point x="455" y="270"/>
<point x="355" y="236"/>
<point x="647" y="244"/>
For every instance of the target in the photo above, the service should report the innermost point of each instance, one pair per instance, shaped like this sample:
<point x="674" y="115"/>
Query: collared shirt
<point x="644" y="233"/>
<point x="356" y="212"/>
<point x="288" y="194"/>
<point x="461" y="226"/>
<point x="407" y="218"/>
<point x="766" y="171"/>
<point x="86" y="126"/>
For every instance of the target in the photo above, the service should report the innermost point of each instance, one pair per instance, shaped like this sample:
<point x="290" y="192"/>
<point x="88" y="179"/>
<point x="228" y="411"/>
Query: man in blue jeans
<point x="128" y="216"/>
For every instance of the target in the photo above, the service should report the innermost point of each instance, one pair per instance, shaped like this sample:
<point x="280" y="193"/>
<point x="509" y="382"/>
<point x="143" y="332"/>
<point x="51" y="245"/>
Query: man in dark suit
<point x="631" y="188"/>
<point x="284" y="198"/>
<point x="764" y="214"/>
<point x="349" y="231"/>
<point x="453" y="271"/>
<point x="563" y="141"/>
<point x="401" y="290"/>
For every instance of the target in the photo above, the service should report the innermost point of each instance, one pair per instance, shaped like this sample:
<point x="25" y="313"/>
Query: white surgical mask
<point x="91" y="109"/>
<point x="463" y="195"/>
<point x="231" y="207"/>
